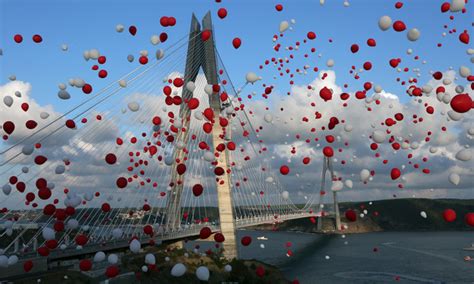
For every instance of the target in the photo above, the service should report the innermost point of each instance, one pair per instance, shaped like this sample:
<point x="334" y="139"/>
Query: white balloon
<point x="208" y="89"/>
<point x="284" y="26"/>
<point x="268" y="117"/>
<point x="99" y="256"/>
<point x="454" y="178"/>
<point x="123" y="83"/>
<point x="413" y="34"/>
<point x="385" y="22"/>
<point x="464" y="71"/>
<point x="337" y="185"/>
<point x="348" y="128"/>
<point x="48" y="234"/>
<point x="348" y="183"/>
<point x="457" y="5"/>
<point x="12" y="260"/>
<point x="145" y="268"/>
<point x="60" y="169"/>
<point x="364" y="175"/>
<point x="155" y="39"/>
<point x="112" y="258"/>
<point x="8" y="101"/>
<point x="251" y="77"/>
<point x="64" y="95"/>
<point x="209" y="156"/>
<point x="119" y="28"/>
<point x="178" y="270"/>
<point x="27" y="149"/>
<point x="133" y="106"/>
<point x="3" y="261"/>
<point x="44" y="115"/>
<point x="160" y="54"/>
<point x="7" y="189"/>
<point x="72" y="224"/>
<point x="94" y="53"/>
<point x="464" y="155"/>
<point x="227" y="268"/>
<point x="150" y="259"/>
<point x="135" y="246"/>
<point x="423" y="214"/>
<point x="379" y="136"/>
<point x="190" y="86"/>
<point x="117" y="233"/>
<point x="285" y="195"/>
<point x="330" y="63"/>
<point x="455" y="116"/>
<point x="202" y="273"/>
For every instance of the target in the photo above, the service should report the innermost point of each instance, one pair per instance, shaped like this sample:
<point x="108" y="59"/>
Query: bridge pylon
<point x="327" y="166"/>
<point x="202" y="54"/>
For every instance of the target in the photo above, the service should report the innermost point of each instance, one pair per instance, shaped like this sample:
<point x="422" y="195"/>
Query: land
<point x="389" y="215"/>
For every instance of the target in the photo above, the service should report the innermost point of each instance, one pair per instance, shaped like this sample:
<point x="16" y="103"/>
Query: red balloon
<point x="445" y="7"/>
<point x="279" y="7"/>
<point x="222" y="13"/>
<point x="37" y="38"/>
<point x="8" y="127"/>
<point x="31" y="124"/>
<point x="87" y="89"/>
<point x="39" y="160"/>
<point x="121" y="182"/>
<point x="43" y="251"/>
<point x="110" y="158"/>
<point x="18" y="38"/>
<point x="85" y="265"/>
<point x="399" y="26"/>
<point x="284" y="170"/>
<point x="148" y="229"/>
<point x="461" y="103"/>
<point x="350" y="215"/>
<point x="164" y="21"/>
<point x="156" y="120"/>
<point x="245" y="241"/>
<point x="354" y="48"/>
<point x="143" y="60"/>
<point x="449" y="215"/>
<point x="311" y="35"/>
<point x="328" y="152"/>
<point x="469" y="218"/>
<point x="102" y="73"/>
<point x="236" y="42"/>
<point x="325" y="94"/>
<point x="218" y="171"/>
<point x="81" y="240"/>
<point x="464" y="37"/>
<point x="260" y="271"/>
<point x="28" y="265"/>
<point x="112" y="271"/>
<point x="219" y="237"/>
<point x="306" y="160"/>
<point x="205" y="233"/>
<point x="197" y="189"/>
<point x="132" y="30"/>
<point x="181" y="168"/>
<point x="105" y="207"/>
<point x="205" y="35"/>
<point x="395" y="173"/>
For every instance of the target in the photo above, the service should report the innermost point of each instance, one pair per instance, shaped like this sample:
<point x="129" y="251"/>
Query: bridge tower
<point x="202" y="54"/>
<point x="327" y="166"/>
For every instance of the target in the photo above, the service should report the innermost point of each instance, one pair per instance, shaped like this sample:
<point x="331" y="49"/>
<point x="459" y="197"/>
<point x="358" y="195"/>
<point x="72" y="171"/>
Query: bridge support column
<point x="16" y="245"/>
<point x="224" y="197"/>
<point x="35" y="244"/>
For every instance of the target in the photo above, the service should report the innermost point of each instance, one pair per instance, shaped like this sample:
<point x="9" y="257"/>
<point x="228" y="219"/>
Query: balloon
<point x="64" y="95"/>
<point x="119" y="28"/>
<point x="6" y="189"/>
<point x="337" y="185"/>
<point x="268" y="117"/>
<point x="135" y="246"/>
<point x="112" y="258"/>
<point x="395" y="173"/>
<point x="454" y="178"/>
<point x="202" y="273"/>
<point x="413" y="34"/>
<point x="12" y="260"/>
<point x="461" y="103"/>
<point x="160" y="53"/>
<point x="155" y="39"/>
<point x="379" y="136"/>
<point x="178" y="270"/>
<point x="284" y="170"/>
<point x="351" y="215"/>
<point x="464" y="71"/>
<point x="364" y="175"/>
<point x="245" y="241"/>
<point x="122" y="83"/>
<point x="48" y="234"/>
<point x="236" y="42"/>
<point x="85" y="265"/>
<point x="150" y="259"/>
<point x="285" y="195"/>
<point x="133" y="106"/>
<point x="117" y="233"/>
<point x="227" y="268"/>
<point x="423" y="214"/>
<point x="284" y="26"/>
<point x="44" y="115"/>
<point x="3" y="261"/>
<point x="348" y="183"/>
<point x="190" y="86"/>
<point x="385" y="22"/>
<point x="464" y="155"/>
<point x="60" y="169"/>
<point x="99" y="256"/>
<point x="469" y="218"/>
<point x="252" y="77"/>
<point x="8" y="101"/>
<point x="457" y="5"/>
<point x="449" y="215"/>
<point x="72" y="224"/>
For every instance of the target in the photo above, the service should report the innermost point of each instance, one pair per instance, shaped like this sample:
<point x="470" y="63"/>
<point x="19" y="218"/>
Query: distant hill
<point x="392" y="215"/>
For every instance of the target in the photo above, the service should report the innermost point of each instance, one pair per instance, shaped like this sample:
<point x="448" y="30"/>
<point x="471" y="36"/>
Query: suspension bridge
<point x="177" y="166"/>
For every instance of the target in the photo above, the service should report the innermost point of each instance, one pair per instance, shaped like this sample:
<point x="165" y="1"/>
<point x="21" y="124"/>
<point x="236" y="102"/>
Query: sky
<point x="85" y="25"/>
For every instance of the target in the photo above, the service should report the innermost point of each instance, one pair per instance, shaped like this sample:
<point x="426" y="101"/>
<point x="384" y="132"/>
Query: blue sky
<point x="91" y="24"/>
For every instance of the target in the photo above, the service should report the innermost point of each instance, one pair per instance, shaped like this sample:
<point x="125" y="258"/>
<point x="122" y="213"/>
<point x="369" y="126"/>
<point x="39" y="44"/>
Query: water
<point x="400" y="257"/>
